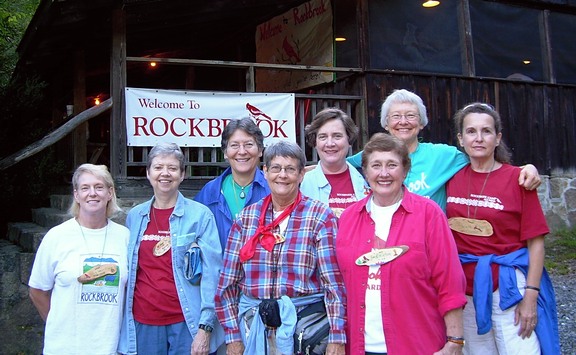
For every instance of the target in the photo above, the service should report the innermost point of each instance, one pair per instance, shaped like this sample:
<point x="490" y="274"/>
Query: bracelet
<point x="456" y="340"/>
<point x="532" y="288"/>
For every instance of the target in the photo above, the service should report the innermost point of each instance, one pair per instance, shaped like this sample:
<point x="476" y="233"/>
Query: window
<point x="562" y="28"/>
<point x="406" y="36"/>
<point x="506" y="41"/>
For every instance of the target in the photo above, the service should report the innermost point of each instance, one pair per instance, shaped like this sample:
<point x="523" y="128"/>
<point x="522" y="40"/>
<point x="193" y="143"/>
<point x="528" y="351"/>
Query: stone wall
<point x="558" y="198"/>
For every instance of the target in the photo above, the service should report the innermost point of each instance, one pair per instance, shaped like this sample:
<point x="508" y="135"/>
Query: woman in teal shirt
<point x="404" y="115"/>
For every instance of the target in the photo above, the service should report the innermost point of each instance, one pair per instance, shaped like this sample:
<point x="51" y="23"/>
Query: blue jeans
<point x="172" y="339"/>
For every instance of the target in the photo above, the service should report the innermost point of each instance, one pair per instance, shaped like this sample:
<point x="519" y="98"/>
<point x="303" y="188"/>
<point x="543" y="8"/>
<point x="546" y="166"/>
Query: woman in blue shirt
<point x="242" y="183"/>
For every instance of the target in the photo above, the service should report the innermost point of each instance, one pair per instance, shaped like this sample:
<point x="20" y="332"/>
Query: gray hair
<point x="163" y="149"/>
<point x="247" y="125"/>
<point x="101" y="173"/>
<point x="287" y="150"/>
<point x="385" y="142"/>
<point x="403" y="96"/>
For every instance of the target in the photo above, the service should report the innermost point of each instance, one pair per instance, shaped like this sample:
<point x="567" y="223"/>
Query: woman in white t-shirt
<point x="79" y="275"/>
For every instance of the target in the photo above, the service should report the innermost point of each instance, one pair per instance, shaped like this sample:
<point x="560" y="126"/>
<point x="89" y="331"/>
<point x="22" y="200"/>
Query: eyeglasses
<point x="276" y="169"/>
<point x="246" y="146"/>
<point x="410" y="116"/>
<point x="479" y="104"/>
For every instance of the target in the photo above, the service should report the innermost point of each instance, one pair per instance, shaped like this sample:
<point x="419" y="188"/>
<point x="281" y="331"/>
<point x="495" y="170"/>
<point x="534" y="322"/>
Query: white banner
<point x="196" y="119"/>
<point x="301" y="36"/>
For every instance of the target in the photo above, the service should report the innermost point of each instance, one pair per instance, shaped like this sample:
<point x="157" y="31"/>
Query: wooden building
<point x="519" y="56"/>
<point x="516" y="55"/>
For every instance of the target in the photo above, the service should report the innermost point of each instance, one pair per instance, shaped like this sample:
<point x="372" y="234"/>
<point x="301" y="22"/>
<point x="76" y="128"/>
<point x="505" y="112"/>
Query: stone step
<point x="19" y="319"/>
<point x="61" y="202"/>
<point x="26" y="235"/>
<point x="49" y="217"/>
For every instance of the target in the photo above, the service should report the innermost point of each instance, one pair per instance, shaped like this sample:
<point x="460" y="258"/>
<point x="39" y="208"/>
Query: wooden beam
<point x="245" y="65"/>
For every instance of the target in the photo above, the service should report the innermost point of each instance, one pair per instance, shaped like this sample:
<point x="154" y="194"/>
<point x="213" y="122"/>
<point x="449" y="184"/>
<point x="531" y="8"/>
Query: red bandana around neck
<point x="264" y="233"/>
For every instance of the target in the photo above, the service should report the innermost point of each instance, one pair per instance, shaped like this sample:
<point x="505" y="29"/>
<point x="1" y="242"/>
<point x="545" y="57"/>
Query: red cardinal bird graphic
<point x="256" y="111"/>
<point x="290" y="50"/>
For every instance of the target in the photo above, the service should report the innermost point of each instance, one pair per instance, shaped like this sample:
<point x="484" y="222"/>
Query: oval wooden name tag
<point x="97" y="272"/>
<point x="162" y="246"/>
<point x="471" y="226"/>
<point x="381" y="256"/>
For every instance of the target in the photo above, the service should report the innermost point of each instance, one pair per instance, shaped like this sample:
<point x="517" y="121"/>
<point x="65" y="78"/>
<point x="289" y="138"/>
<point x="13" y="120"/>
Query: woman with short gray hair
<point x="403" y="115"/>
<point x="174" y="259"/>
<point x="242" y="183"/>
<point x="280" y="258"/>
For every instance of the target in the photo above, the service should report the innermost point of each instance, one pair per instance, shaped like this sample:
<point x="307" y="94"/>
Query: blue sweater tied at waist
<point x="547" y="325"/>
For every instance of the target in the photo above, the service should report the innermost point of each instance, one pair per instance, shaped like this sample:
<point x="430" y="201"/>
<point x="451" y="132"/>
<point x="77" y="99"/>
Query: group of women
<point x="430" y="251"/>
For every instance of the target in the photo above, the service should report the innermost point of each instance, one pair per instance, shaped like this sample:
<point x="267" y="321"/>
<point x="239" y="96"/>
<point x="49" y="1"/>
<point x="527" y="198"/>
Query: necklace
<point x="156" y="223"/>
<point x="472" y="226"/>
<point x="86" y="242"/>
<point x="481" y="190"/>
<point x="242" y="194"/>
<point x="99" y="270"/>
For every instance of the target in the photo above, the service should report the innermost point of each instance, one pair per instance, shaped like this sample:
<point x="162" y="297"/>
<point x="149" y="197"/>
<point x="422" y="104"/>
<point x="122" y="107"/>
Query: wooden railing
<point x="55" y="135"/>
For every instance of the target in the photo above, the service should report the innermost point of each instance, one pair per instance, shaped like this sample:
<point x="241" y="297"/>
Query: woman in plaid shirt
<point x="282" y="248"/>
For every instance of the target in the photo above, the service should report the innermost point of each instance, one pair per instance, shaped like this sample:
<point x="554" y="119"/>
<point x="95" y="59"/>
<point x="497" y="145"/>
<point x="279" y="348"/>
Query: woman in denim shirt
<point x="166" y="313"/>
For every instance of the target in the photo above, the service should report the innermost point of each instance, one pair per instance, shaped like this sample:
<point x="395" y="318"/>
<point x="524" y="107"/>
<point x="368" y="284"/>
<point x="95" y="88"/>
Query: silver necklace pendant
<point x="242" y="194"/>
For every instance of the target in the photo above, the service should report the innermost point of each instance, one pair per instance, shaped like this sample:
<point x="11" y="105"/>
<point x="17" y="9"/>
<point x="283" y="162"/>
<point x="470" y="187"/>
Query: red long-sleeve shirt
<point x="417" y="289"/>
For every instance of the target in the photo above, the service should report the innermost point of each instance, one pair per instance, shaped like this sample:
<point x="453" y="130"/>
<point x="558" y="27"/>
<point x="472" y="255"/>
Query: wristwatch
<point x="206" y="328"/>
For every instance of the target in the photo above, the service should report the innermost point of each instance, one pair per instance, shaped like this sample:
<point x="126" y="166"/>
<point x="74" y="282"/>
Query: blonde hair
<point x="100" y="172"/>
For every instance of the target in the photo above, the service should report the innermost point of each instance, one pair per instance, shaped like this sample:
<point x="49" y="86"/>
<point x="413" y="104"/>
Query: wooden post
<point x="467" y="50"/>
<point x="118" y="142"/>
<point x="80" y="135"/>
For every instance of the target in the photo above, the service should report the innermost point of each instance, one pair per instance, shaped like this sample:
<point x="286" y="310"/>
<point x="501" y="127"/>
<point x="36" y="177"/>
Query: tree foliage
<point x="22" y="101"/>
<point x="14" y="18"/>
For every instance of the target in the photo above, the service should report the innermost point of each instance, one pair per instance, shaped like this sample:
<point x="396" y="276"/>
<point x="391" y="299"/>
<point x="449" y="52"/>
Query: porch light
<point x="152" y="64"/>
<point x="430" y="3"/>
<point x="339" y="39"/>
<point x="526" y="61"/>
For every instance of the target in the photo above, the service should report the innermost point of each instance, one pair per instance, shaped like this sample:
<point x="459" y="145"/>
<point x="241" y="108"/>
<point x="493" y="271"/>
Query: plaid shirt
<point x="306" y="264"/>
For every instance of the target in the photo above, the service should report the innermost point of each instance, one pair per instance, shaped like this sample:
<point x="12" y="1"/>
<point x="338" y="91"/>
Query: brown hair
<point x="327" y="114"/>
<point x="501" y="153"/>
